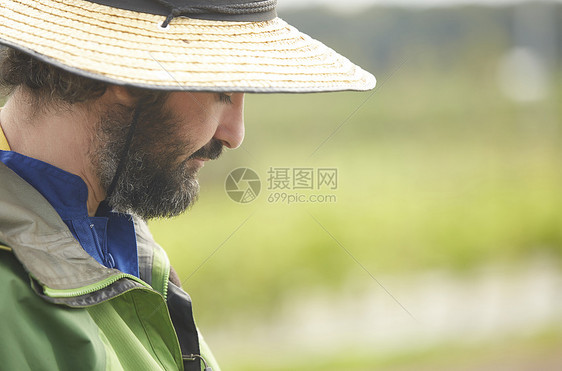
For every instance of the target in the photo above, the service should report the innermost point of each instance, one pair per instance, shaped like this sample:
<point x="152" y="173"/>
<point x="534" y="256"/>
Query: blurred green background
<point x="442" y="248"/>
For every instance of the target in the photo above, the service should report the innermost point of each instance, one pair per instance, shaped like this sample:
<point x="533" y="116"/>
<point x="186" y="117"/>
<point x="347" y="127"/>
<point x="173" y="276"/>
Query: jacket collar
<point x="41" y="240"/>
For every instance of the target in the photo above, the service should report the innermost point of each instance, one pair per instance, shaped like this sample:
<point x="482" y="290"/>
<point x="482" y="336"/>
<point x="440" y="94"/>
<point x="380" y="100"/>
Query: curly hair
<point x="49" y="83"/>
<point x="45" y="80"/>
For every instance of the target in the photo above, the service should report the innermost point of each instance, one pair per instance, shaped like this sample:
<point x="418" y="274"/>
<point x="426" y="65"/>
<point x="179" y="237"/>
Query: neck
<point x="61" y="137"/>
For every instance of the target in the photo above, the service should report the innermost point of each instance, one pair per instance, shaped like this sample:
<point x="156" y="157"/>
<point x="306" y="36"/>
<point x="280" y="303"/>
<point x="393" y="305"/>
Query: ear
<point x="119" y="94"/>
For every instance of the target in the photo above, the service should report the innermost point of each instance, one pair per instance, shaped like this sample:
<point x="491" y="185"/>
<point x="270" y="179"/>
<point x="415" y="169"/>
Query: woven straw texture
<point x="131" y="48"/>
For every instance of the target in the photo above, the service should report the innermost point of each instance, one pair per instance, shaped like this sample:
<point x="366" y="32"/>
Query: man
<point x="113" y="108"/>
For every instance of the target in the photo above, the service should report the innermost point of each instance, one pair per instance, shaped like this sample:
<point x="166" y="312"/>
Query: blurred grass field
<point x="472" y="179"/>
<point x="437" y="171"/>
<point x="510" y="354"/>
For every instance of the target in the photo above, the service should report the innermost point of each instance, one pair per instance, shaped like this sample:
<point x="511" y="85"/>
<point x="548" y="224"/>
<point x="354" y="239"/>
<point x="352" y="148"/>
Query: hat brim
<point x="131" y="48"/>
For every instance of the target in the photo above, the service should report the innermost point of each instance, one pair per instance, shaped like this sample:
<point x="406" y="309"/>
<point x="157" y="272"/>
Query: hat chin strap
<point x="124" y="153"/>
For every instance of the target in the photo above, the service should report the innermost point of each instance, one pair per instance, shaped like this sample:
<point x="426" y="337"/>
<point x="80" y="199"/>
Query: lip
<point x="199" y="161"/>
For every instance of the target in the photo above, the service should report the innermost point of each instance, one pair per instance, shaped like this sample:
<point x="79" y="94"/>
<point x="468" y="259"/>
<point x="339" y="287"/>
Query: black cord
<point x="225" y="8"/>
<point x="124" y="153"/>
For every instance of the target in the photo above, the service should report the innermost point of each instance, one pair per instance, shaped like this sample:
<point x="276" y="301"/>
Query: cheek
<point x="198" y="133"/>
<point x="197" y="116"/>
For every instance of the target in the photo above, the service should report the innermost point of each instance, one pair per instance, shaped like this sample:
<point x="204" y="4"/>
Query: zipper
<point x="165" y="293"/>
<point x="5" y="247"/>
<point x="68" y="293"/>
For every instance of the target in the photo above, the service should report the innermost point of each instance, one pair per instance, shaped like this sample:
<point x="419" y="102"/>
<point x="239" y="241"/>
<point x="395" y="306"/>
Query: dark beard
<point x="153" y="182"/>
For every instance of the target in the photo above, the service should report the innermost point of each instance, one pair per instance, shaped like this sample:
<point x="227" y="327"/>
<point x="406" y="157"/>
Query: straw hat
<point x="195" y="45"/>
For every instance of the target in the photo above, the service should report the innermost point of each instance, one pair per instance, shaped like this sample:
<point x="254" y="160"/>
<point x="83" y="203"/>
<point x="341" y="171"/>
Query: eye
<point x="225" y="97"/>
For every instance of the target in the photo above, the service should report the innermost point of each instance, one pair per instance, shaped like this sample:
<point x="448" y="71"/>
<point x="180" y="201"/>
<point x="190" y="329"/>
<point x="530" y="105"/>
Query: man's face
<point x="172" y="140"/>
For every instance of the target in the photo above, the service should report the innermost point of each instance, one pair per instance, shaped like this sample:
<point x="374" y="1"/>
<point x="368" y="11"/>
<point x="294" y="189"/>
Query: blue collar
<point x="108" y="237"/>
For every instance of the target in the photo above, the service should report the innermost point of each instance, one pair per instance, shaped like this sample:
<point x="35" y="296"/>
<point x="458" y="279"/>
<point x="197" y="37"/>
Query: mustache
<point x="211" y="150"/>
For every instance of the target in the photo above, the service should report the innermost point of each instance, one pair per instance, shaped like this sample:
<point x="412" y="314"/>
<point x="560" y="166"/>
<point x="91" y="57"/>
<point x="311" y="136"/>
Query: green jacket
<point x="62" y="310"/>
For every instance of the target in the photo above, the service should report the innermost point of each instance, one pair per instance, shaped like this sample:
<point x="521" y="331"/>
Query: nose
<point x="230" y="130"/>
